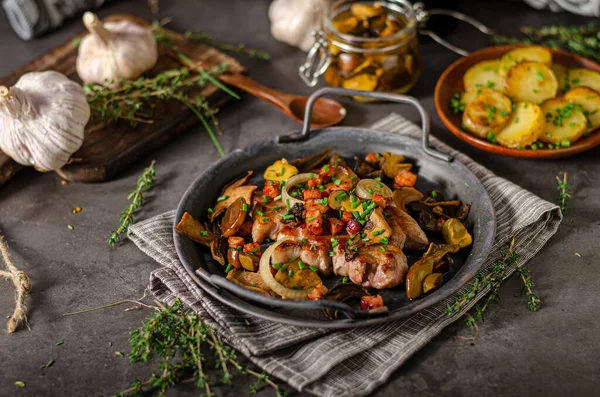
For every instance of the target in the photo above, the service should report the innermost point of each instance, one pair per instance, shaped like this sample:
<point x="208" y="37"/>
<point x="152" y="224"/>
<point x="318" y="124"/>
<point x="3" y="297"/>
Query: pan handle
<point x="367" y="94"/>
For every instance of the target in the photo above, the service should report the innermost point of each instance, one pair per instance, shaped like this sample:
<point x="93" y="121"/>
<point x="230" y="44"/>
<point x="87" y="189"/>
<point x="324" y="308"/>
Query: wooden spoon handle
<point x="244" y="83"/>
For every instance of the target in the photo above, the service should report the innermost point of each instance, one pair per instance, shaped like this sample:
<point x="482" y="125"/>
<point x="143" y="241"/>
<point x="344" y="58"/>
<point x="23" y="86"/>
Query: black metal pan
<point x="435" y="170"/>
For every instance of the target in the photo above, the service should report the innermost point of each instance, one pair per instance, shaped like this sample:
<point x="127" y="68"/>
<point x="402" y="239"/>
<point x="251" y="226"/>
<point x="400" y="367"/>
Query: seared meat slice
<point x="294" y="233"/>
<point x="415" y="238"/>
<point x="339" y="263"/>
<point x="314" y="253"/>
<point x="373" y="268"/>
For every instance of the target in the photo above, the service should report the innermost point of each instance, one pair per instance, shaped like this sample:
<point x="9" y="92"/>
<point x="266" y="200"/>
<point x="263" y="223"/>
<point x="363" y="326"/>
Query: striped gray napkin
<point x="357" y="360"/>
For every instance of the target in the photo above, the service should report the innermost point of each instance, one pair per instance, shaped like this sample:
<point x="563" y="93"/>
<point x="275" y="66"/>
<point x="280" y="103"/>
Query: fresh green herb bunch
<point x="175" y="336"/>
<point x="564" y="192"/>
<point x="132" y="101"/>
<point x="237" y="48"/>
<point x="145" y="181"/>
<point x="581" y="40"/>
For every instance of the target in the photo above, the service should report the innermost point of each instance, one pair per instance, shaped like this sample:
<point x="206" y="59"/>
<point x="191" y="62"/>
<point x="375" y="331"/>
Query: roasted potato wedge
<point x="584" y="78"/>
<point x="562" y="76"/>
<point x="564" y="122"/>
<point x="530" y="54"/>
<point x="483" y="75"/>
<point x="530" y="82"/>
<point x="590" y="104"/>
<point x="489" y="111"/>
<point x="524" y="127"/>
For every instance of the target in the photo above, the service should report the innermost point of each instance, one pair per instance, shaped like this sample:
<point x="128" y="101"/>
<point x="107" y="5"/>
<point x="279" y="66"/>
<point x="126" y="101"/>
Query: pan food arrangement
<point x="338" y="227"/>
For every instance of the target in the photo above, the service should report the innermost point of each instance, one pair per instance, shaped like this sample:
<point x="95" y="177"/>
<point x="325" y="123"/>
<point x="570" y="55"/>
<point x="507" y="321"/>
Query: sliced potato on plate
<point x="483" y="75"/>
<point x="524" y="127"/>
<point x="488" y="111"/>
<point x="468" y="96"/>
<point x="562" y="76"/>
<point x="584" y="78"/>
<point x="532" y="53"/>
<point x="589" y="100"/>
<point x="530" y="82"/>
<point x="565" y="122"/>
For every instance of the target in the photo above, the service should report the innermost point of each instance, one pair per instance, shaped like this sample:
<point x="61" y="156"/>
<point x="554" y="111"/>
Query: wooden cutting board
<point x="109" y="148"/>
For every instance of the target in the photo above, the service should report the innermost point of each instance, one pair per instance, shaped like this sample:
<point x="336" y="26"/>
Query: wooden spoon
<point x="326" y="112"/>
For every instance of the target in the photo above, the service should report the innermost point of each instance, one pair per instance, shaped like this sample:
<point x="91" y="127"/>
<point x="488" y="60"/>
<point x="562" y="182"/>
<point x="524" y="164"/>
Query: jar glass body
<point x="389" y="62"/>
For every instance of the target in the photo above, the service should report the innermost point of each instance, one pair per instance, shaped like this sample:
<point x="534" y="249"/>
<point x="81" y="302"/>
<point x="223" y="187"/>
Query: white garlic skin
<point x="293" y="21"/>
<point x="42" y="119"/>
<point x="114" y="51"/>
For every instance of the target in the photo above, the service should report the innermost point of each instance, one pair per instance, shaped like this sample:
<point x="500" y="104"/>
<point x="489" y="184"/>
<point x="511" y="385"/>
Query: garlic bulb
<point x="293" y="21"/>
<point x="42" y="118"/>
<point x="114" y="51"/>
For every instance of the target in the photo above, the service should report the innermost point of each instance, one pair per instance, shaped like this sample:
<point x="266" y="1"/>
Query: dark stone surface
<point x="553" y="352"/>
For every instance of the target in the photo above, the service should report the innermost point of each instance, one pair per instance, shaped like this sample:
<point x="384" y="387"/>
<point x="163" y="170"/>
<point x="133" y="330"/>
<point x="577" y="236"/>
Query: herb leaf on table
<point x="564" y="192"/>
<point x="145" y="182"/>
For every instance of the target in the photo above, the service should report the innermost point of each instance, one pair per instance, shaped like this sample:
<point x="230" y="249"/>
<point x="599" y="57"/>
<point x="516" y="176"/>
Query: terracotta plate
<point x="451" y="82"/>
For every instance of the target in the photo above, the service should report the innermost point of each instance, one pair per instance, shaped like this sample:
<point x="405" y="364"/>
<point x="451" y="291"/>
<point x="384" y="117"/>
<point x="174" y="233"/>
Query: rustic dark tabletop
<point x="553" y="352"/>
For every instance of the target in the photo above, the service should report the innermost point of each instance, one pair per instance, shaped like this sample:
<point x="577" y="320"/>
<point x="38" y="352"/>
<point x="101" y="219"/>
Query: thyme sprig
<point x="533" y="300"/>
<point x="493" y="279"/>
<point x="564" y="192"/>
<point x="239" y="48"/>
<point x="132" y="100"/>
<point x="144" y="182"/>
<point x="176" y="337"/>
<point x="581" y="40"/>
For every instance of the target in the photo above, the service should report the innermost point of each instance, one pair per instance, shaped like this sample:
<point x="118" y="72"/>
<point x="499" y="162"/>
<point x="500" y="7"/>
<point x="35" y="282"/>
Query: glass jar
<point x="366" y="45"/>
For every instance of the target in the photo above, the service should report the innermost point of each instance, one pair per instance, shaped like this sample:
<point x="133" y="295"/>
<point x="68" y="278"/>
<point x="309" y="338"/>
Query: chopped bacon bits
<point x="318" y="292"/>
<point x="314" y="220"/>
<point x="379" y="200"/>
<point x="271" y="190"/>
<point x="252" y="248"/>
<point x="353" y="227"/>
<point x="404" y="178"/>
<point x="235" y="241"/>
<point x="347" y="216"/>
<point x="315" y="181"/>
<point x="372" y="158"/>
<point x="312" y="194"/>
<point x="326" y="172"/>
<point x="369" y="302"/>
<point x="336" y="226"/>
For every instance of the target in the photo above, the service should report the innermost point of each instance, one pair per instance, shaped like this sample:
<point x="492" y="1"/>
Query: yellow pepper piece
<point x="280" y="170"/>
<point x="454" y="232"/>
<point x="433" y="281"/>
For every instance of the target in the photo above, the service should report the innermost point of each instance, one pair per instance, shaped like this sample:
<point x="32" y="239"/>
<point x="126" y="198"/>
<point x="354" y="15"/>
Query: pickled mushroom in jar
<point x="385" y="59"/>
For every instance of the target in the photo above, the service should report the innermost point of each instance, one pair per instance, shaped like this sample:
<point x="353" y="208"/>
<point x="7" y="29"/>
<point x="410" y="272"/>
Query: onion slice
<point x="265" y="272"/>
<point x="364" y="187"/>
<point x="293" y="181"/>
